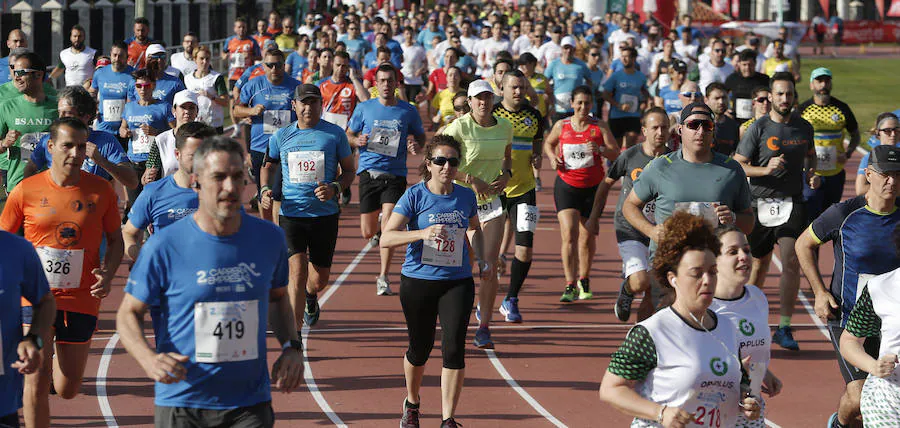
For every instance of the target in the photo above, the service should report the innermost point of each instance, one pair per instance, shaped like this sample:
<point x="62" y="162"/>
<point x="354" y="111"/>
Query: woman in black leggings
<point x="432" y="218"/>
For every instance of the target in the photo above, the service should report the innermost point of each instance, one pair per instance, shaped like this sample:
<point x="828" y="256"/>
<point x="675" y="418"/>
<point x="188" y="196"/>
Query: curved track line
<point x="307" y="368"/>
<point x="100" y="383"/>
<point x="492" y="356"/>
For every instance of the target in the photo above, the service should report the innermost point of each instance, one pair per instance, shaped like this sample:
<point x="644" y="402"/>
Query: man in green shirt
<point x="8" y="90"/>
<point x="24" y="119"/>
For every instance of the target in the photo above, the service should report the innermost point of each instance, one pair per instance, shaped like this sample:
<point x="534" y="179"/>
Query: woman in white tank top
<point x="210" y="88"/>
<point x="681" y="367"/>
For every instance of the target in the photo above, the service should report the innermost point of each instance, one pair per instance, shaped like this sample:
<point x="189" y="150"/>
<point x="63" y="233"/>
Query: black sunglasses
<point x="273" y="64"/>
<point x="441" y="160"/>
<point x="889" y="130"/>
<point x="696" y="124"/>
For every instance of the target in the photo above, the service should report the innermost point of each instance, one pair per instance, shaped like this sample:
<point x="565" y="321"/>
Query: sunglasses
<point x="718" y="50"/>
<point x="692" y="94"/>
<point x="142" y="85"/>
<point x="761" y="99"/>
<point x="889" y="131"/>
<point x="441" y="160"/>
<point x="24" y="72"/>
<point x="274" y="64"/>
<point x="463" y="107"/>
<point x="696" y="124"/>
<point x="595" y="54"/>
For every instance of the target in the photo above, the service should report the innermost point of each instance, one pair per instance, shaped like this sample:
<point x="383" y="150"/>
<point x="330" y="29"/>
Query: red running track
<point x="546" y="371"/>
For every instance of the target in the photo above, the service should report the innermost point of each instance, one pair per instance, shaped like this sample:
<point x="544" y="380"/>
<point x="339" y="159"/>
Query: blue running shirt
<point x="387" y="127"/>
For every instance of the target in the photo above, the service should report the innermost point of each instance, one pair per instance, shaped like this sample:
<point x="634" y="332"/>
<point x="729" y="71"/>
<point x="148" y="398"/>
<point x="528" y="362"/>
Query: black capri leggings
<point x="422" y="301"/>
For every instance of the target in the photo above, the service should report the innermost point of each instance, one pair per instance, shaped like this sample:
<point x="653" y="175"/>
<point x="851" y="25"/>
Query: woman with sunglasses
<point x="885" y="132"/>
<point x="682" y="366"/>
<point x="431" y="219"/>
<point x="747" y="308"/>
<point x="576" y="147"/>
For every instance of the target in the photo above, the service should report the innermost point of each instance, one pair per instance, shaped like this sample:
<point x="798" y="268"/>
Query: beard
<point x="78" y="46"/>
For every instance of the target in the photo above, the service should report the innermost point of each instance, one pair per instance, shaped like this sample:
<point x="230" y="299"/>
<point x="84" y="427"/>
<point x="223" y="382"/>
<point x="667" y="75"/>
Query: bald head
<point x="16" y="39"/>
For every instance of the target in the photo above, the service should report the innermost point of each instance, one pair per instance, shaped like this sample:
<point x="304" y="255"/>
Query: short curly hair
<point x="682" y="232"/>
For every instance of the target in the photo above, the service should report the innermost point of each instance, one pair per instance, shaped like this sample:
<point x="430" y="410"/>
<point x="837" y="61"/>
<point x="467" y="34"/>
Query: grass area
<point x="865" y="84"/>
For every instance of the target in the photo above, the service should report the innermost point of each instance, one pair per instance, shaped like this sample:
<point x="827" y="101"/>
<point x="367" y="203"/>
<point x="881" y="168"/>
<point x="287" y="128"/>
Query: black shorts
<point x="256" y="163"/>
<point x="622" y="125"/>
<point x="258" y="415"/>
<point x="314" y="236"/>
<point x="69" y="327"/>
<point x="763" y="238"/>
<point x="510" y="205"/>
<point x="566" y="196"/>
<point x="10" y="421"/>
<point x="820" y="37"/>
<point x="375" y="192"/>
<point x="848" y="371"/>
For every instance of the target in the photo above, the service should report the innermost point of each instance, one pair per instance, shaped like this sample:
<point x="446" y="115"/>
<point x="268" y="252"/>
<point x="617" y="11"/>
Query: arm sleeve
<point x="851" y="124"/>
<point x="153" y="159"/>
<point x="636" y="357"/>
<point x="35" y="285"/>
<point x="863" y="321"/>
<point x="743" y="200"/>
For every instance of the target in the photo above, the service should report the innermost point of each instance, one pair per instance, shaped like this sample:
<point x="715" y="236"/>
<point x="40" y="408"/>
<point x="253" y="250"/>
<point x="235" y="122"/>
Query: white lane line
<point x="492" y="356"/>
<point x="805" y="302"/>
<point x="307" y="368"/>
<point x="772" y="424"/>
<point x="108" y="415"/>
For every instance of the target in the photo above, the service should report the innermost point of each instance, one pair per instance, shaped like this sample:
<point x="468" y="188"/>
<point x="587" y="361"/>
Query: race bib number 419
<point x="226" y="331"/>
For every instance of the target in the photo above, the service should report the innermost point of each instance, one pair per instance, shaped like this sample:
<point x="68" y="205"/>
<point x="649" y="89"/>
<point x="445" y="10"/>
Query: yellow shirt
<point x="482" y="148"/>
<point x="774" y="65"/>
<point x="443" y="103"/>
<point x="528" y="130"/>
<point x="540" y="83"/>
<point x="829" y="125"/>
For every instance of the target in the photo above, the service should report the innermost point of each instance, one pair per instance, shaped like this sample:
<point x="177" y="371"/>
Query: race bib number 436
<point x="226" y="331"/>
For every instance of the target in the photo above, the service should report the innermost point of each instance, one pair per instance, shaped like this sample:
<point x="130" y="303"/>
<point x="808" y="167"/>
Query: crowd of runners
<point x="718" y="163"/>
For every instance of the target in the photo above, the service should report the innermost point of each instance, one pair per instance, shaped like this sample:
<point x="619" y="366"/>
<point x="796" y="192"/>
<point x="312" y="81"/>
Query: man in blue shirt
<point x="268" y="104"/>
<point x="379" y="128"/>
<point x="21" y="275"/>
<point x="309" y="152"/>
<point x="625" y="90"/>
<point x="214" y="276"/>
<point x="357" y="46"/>
<point x="16" y="39"/>
<point x="104" y="155"/>
<point x="112" y="85"/>
<point x="431" y="30"/>
<point x="567" y="73"/>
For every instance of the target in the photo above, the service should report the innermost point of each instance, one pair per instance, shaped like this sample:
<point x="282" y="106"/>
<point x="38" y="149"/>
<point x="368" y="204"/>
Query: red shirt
<point x="370" y="76"/>
<point x="439" y="79"/>
<point x="136" y="57"/>
<point x="576" y="148"/>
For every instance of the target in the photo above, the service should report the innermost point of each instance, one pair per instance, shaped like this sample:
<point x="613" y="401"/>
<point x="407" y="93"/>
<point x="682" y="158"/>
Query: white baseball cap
<point x="567" y="41"/>
<point x="596" y="18"/>
<point x="185" y="96"/>
<point x="154" y="49"/>
<point x="478" y="87"/>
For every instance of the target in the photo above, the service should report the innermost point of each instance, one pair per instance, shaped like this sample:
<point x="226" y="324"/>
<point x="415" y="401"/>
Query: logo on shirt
<point x="45" y="202"/>
<point x="774" y="143"/>
<point x="527" y="121"/>
<point x="37" y="121"/>
<point x="746" y="327"/>
<point x="635" y="173"/>
<point x="76" y="205"/>
<point x="718" y="366"/>
<point x="179" y="213"/>
<point x="68" y="234"/>
<point x="240" y="275"/>
<point x="455" y="217"/>
<point x="117" y="86"/>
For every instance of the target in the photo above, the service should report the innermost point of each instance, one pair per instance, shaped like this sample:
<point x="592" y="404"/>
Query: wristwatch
<point x="36" y="339"/>
<point x="293" y="344"/>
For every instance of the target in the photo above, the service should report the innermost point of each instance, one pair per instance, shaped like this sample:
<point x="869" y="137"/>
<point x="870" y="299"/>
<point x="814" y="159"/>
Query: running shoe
<point x="510" y="309"/>
<point x="345" y="197"/>
<point x="584" y="289"/>
<point x="569" y="295"/>
<point x="784" y="337"/>
<point x="483" y="338"/>
<point x="410" y="418"/>
<point x="311" y="313"/>
<point x="623" y="303"/>
<point x="537" y="184"/>
<point x="375" y="239"/>
<point x="383" y="287"/>
<point x="832" y="421"/>
<point x="450" y="423"/>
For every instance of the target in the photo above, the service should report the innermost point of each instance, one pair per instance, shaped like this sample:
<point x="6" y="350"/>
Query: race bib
<point x="112" y="110"/>
<point x="444" y="251"/>
<point x="28" y="142"/>
<point x="141" y="142"/>
<point x="490" y="210"/>
<point x="335" y="118"/>
<point x="743" y="108"/>
<point x="578" y="156"/>
<point x="238" y="60"/>
<point x="226" y="331"/>
<point x="649" y="211"/>
<point x="563" y="101"/>
<point x="826" y="158"/>
<point x="62" y="267"/>
<point x="384" y="141"/>
<point x="306" y="167"/>
<point x="774" y="212"/>
<point x="664" y="80"/>
<point x="707" y="210"/>
<point x="527" y="217"/>
<point x="274" y="120"/>
<point x="632" y="102"/>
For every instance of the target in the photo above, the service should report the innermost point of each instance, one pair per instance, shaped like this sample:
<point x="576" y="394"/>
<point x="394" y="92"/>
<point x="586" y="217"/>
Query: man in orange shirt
<point x="241" y="51"/>
<point x="341" y="94"/>
<point x="66" y="212"/>
<point x="137" y="44"/>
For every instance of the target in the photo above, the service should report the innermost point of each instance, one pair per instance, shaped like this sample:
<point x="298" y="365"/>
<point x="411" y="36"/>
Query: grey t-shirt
<point x="628" y="166"/>
<point x="727" y="136"/>
<point x="673" y="181"/>
<point x="766" y="139"/>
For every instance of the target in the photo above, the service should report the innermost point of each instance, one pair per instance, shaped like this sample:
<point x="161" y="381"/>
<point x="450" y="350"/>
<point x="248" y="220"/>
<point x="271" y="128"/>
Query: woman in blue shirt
<point x="436" y="278"/>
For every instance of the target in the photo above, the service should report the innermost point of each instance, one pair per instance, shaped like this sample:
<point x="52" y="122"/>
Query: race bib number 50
<point x="226" y="331"/>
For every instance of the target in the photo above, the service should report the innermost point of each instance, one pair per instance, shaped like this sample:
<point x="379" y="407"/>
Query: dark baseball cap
<point x="885" y="158"/>
<point x="307" y="90"/>
<point x="679" y="65"/>
<point x="697" y="107"/>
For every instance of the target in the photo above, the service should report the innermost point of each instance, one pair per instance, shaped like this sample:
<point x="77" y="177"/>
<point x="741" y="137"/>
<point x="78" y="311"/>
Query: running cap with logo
<point x="819" y="72"/>
<point x="156" y="49"/>
<point x="478" y="87"/>
<point x="306" y="91"/>
<point x="269" y="44"/>
<point x="885" y="158"/>
<point x="567" y="41"/>
<point x="697" y="107"/>
<point x="185" y="96"/>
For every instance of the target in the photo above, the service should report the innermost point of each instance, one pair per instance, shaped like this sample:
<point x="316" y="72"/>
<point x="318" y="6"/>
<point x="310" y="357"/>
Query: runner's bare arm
<point x="806" y="249"/>
<point x="485" y="267"/>
<point x="163" y="368"/>
<point x="287" y="372"/>
<point x="115" y="247"/>
<point x="395" y="235"/>
<point x="631" y="209"/>
<point x="774" y="164"/>
<point x="242" y="110"/>
<point x="29" y="356"/>
<point x="599" y="203"/>
<point x="551" y="144"/>
<point x="132" y="238"/>
<point x="853" y="144"/>
<point x="854" y="352"/>
<point x="30" y="169"/>
<point x="862" y="184"/>
<point x="611" y="147"/>
<point x="619" y="392"/>
<point x="348" y="172"/>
